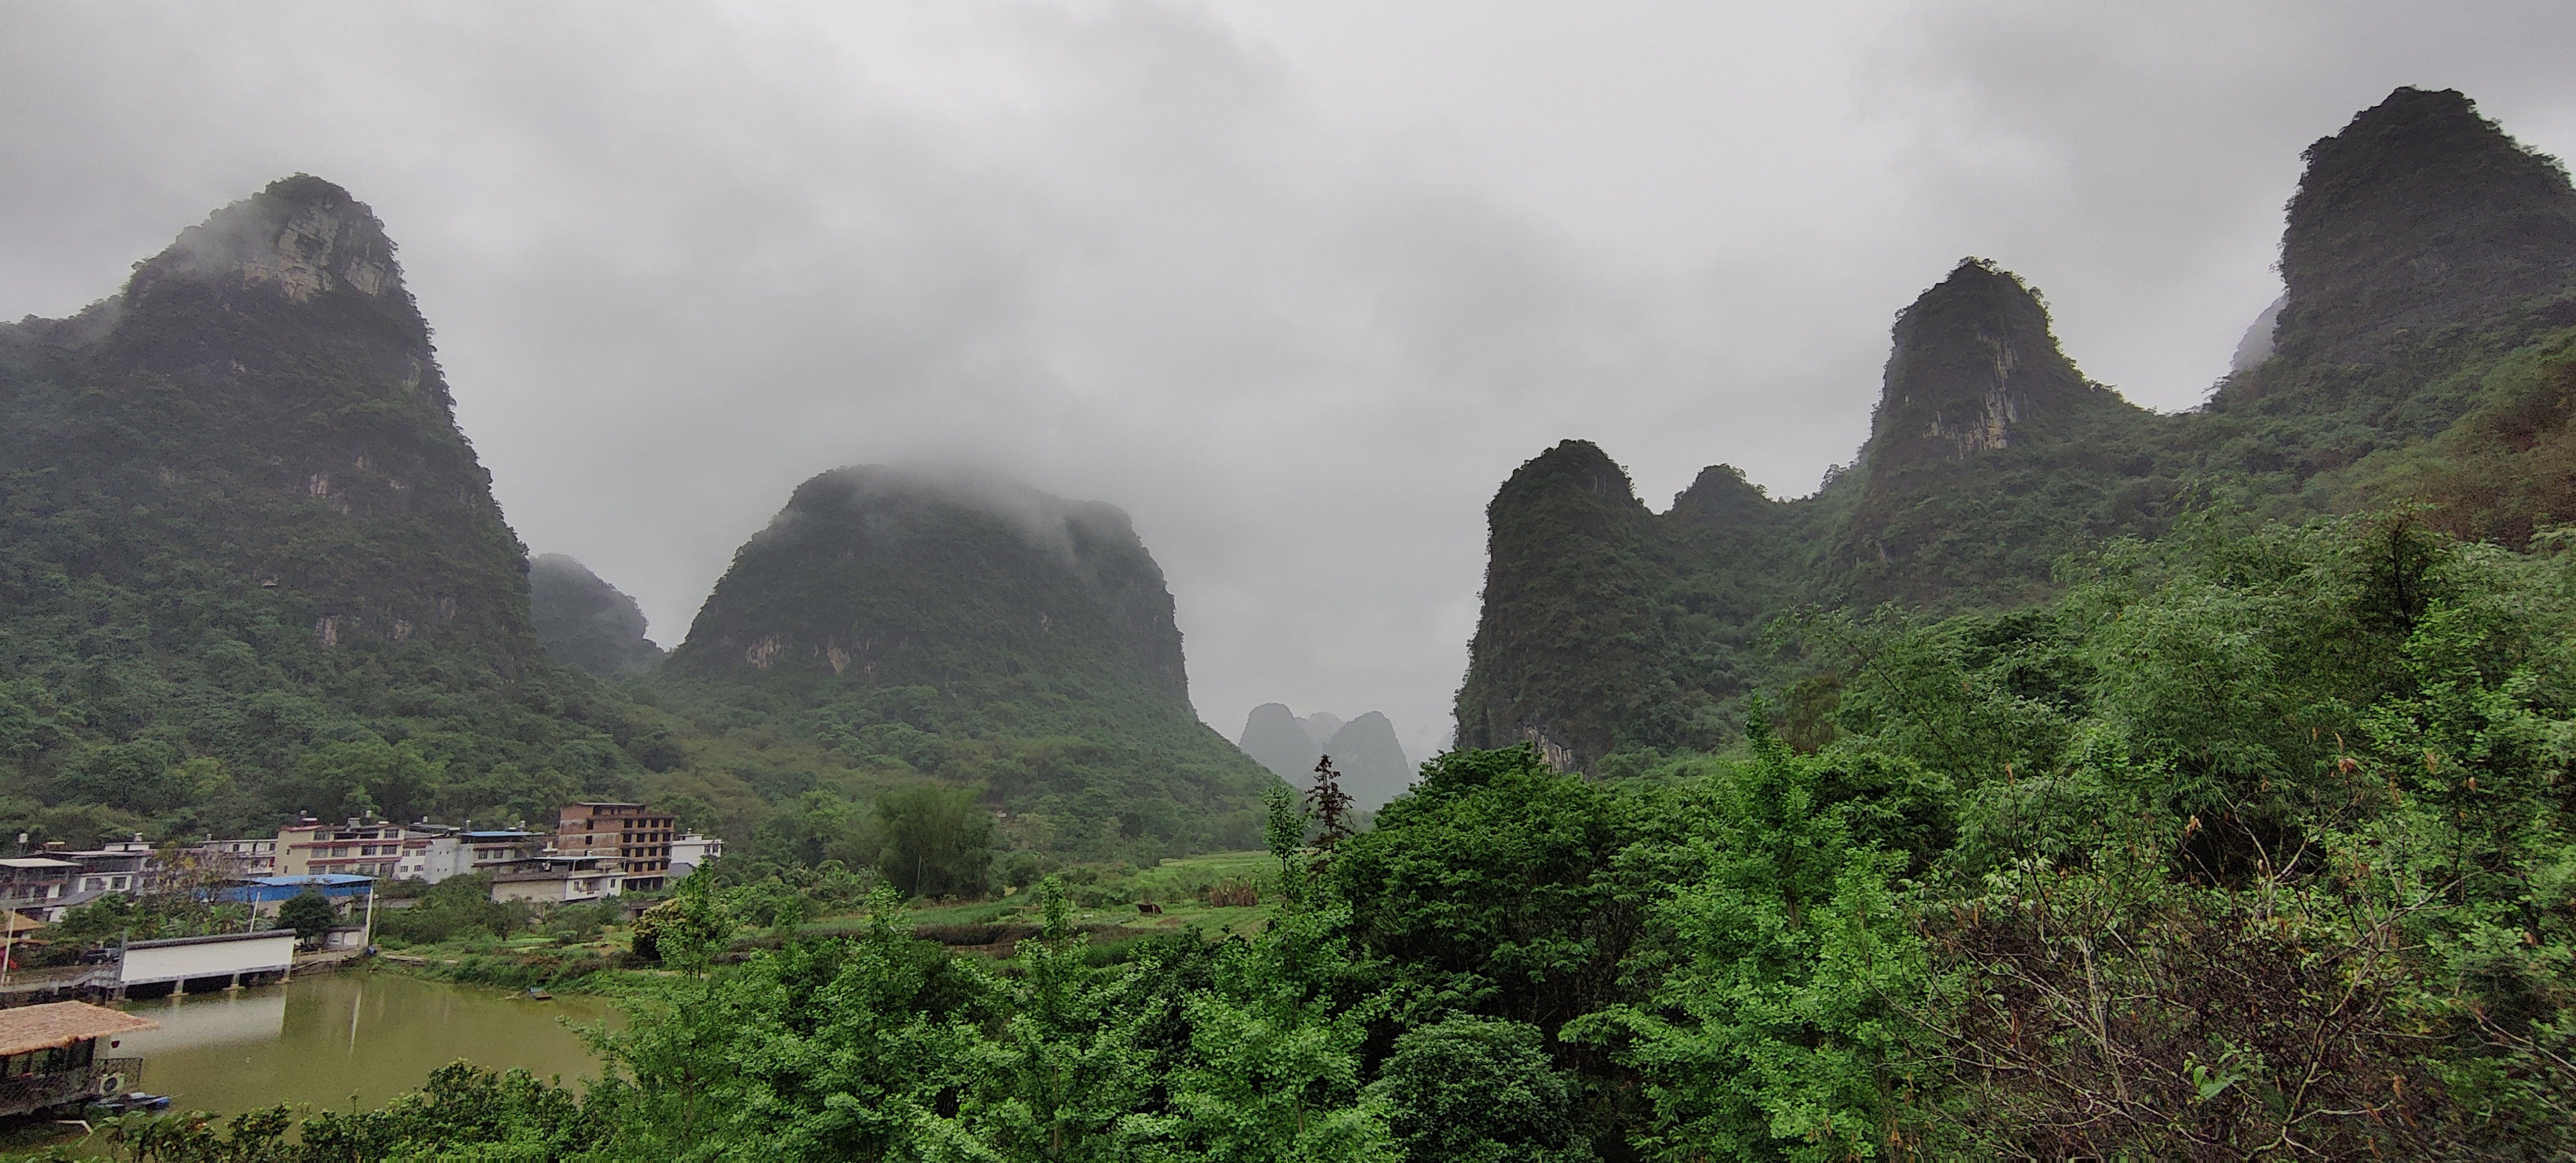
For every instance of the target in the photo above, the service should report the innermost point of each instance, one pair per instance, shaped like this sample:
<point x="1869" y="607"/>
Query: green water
<point x="320" y="1040"/>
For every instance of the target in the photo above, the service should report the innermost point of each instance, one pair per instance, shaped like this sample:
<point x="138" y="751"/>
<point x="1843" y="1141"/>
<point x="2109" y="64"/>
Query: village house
<point x="34" y="885"/>
<point x="470" y="851"/>
<point x="234" y="858"/>
<point x="50" y="1055"/>
<point x="356" y="847"/>
<point x="690" y="850"/>
<point x="558" y="879"/>
<point x="639" y="837"/>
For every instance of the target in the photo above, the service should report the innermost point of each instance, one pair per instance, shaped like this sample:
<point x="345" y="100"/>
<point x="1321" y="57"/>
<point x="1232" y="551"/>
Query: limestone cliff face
<point x="268" y="397"/>
<point x="1989" y="453"/>
<point x="302" y="237"/>
<point x="885" y="576"/>
<point x="1571" y="642"/>
<point x="1973" y="369"/>
<point x="2420" y="215"/>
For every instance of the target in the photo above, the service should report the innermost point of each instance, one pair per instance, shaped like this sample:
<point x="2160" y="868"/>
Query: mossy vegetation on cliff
<point x="2420" y="358"/>
<point x="249" y="565"/>
<point x="982" y="633"/>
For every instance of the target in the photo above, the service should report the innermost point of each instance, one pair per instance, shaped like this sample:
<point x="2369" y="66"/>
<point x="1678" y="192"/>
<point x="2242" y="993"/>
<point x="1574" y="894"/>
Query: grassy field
<point x="1219" y="893"/>
<point x="1181" y="888"/>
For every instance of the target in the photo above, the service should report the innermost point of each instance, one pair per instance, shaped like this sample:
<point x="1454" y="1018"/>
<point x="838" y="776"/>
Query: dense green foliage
<point x="244" y="550"/>
<point x="456" y="907"/>
<point x="2420" y="358"/>
<point x="309" y="914"/>
<point x="2259" y="841"/>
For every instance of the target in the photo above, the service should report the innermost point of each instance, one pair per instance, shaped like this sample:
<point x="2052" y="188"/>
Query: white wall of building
<point x="251" y="953"/>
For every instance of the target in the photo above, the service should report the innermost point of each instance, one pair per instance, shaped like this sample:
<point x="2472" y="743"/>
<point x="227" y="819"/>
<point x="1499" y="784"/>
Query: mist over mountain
<point x="976" y="629"/>
<point x="248" y="563"/>
<point x="252" y="567"/>
<point x="583" y="621"/>
<point x="2421" y="354"/>
<point x="1371" y="760"/>
<point x="1365" y="750"/>
<point x="1277" y="739"/>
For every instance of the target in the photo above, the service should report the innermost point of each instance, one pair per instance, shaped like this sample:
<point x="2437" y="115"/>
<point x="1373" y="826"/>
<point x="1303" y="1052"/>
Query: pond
<point x="336" y="1038"/>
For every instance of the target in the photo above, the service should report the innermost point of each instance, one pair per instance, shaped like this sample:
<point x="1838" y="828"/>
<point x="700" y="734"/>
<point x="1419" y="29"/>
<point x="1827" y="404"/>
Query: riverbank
<point x="344" y="1041"/>
<point x="351" y="1040"/>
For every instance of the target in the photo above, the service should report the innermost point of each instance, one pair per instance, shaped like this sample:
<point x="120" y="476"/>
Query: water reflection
<point x="331" y="1040"/>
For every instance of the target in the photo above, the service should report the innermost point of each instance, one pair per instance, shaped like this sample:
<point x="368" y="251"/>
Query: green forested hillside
<point x="249" y="565"/>
<point x="980" y="632"/>
<point x="2256" y="841"/>
<point x="2419" y="362"/>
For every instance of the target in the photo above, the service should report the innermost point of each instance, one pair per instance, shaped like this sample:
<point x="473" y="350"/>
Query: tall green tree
<point x="309" y="914"/>
<point x="1778" y="1032"/>
<point x="938" y="841"/>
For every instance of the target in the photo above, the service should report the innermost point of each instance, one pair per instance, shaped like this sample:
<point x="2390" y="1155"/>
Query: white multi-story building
<point x="381" y="848"/>
<point x="462" y="852"/>
<point x="689" y="850"/>
<point x="558" y="879"/>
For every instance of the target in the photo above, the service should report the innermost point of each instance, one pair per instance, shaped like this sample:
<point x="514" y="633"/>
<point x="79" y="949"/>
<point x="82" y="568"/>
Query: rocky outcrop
<point x="1974" y="369"/>
<point x="268" y="402"/>
<point x="1571" y="643"/>
<point x="2419" y="216"/>
<point x="1989" y="454"/>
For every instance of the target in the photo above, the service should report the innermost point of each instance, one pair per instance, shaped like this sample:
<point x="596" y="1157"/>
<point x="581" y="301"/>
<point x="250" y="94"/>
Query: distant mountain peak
<point x="1321" y="726"/>
<point x="1974" y="362"/>
<point x="1364" y="750"/>
<point x="1277" y="739"/>
<point x="583" y="621"/>
<point x="873" y="565"/>
<point x="2419" y="215"/>
<point x="1581" y="465"/>
<point x="302" y="237"/>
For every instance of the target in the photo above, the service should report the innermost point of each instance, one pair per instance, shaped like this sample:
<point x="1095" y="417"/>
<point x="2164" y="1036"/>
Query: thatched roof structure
<point x="27" y="1029"/>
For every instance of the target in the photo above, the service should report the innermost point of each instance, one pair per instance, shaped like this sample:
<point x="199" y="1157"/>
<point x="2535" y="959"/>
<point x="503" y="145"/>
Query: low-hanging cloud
<point x="1166" y="256"/>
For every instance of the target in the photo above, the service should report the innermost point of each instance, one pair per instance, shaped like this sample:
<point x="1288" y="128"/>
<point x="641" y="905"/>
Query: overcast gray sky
<point x="1295" y="282"/>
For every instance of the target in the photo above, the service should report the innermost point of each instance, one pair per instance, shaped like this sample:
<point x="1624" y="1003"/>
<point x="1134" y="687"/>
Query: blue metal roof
<point x="267" y="889"/>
